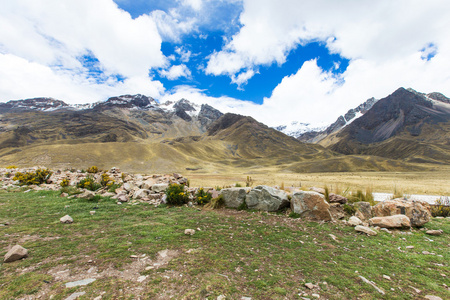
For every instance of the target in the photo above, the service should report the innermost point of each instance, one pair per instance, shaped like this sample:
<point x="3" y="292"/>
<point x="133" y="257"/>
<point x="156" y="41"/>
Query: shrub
<point x="441" y="207"/>
<point x="349" y="209"/>
<point x="112" y="188"/>
<point x="216" y="203"/>
<point x="249" y="182"/>
<point x="359" y="196"/>
<point x="242" y="206"/>
<point x="37" y="177"/>
<point x="11" y="167"/>
<point x="92" y="170"/>
<point x="294" y="215"/>
<point x="176" y="195"/>
<point x="106" y="180"/>
<point x="327" y="194"/>
<point x="202" y="197"/>
<point x="89" y="184"/>
<point x="65" y="182"/>
<point x="238" y="185"/>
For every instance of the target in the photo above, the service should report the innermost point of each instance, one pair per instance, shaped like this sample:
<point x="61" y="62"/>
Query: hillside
<point x="405" y="125"/>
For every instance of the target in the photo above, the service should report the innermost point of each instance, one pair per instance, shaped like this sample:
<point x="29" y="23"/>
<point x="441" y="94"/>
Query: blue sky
<point x="278" y="61"/>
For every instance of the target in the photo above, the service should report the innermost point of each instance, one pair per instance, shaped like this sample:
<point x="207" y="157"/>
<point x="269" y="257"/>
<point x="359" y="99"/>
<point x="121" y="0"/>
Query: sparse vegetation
<point x="249" y="182"/>
<point x="106" y="180"/>
<point x="441" y="207"/>
<point x="176" y="195"/>
<point x="34" y="177"/>
<point x="89" y="184"/>
<point x="202" y="197"/>
<point x="238" y="184"/>
<point x="92" y="170"/>
<point x="216" y="203"/>
<point x="11" y="167"/>
<point x="360" y="196"/>
<point x="65" y="182"/>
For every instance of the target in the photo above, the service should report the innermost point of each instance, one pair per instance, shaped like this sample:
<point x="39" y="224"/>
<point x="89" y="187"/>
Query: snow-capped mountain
<point x="296" y="128"/>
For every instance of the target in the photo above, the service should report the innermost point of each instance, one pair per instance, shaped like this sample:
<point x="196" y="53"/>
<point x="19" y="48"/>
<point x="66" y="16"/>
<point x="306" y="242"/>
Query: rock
<point x="354" y="221"/>
<point x="128" y="186"/>
<point x="334" y="198"/>
<point x="365" y="230"/>
<point x="214" y="193"/>
<point x="310" y="286"/>
<point x="66" y="219"/>
<point x="409" y="247"/>
<point x="221" y="297"/>
<point x="15" y="253"/>
<point x="189" y="231"/>
<point x="92" y="212"/>
<point x="431" y="297"/>
<point x="316" y="296"/>
<point x="122" y="198"/>
<point x="379" y="290"/>
<point x="337" y="211"/>
<point x="234" y="197"/>
<point x="363" y="210"/>
<point x="108" y="194"/>
<point x="387" y="277"/>
<point x="318" y="190"/>
<point x="159" y="187"/>
<point x="311" y="205"/>
<point x="88" y="195"/>
<point x="147" y="185"/>
<point x="266" y="198"/>
<point x="64" y="195"/>
<point x="75" y="295"/>
<point x="396" y="221"/>
<point x="434" y="232"/>
<point x="177" y="176"/>
<point x="140" y="194"/>
<point x="80" y="282"/>
<point x="417" y="211"/>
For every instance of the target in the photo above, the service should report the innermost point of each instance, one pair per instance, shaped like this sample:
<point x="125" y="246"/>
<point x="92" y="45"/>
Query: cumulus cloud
<point x="175" y="72"/>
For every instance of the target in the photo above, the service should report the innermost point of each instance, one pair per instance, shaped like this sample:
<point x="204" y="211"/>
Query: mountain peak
<point x="41" y="103"/>
<point x="128" y="101"/>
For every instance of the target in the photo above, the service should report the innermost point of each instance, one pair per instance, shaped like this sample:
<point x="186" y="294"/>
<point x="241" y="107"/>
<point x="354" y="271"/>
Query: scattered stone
<point x="409" y="247"/>
<point x="363" y="210"/>
<point x="395" y="221"/>
<point x="416" y="290"/>
<point x="434" y="232"/>
<point x="234" y="197"/>
<point x="334" y="198"/>
<point x="75" y="295"/>
<point x="66" y="219"/>
<point x="134" y="256"/>
<point x="266" y="198"/>
<point x="221" y="297"/>
<point x="246" y="298"/>
<point x="417" y="211"/>
<point x="311" y="205"/>
<point x="189" y="231"/>
<point x="122" y="198"/>
<point x="379" y="290"/>
<point x="64" y="195"/>
<point x="310" y="286"/>
<point x="88" y="195"/>
<point x="365" y="230"/>
<point x="387" y="277"/>
<point x="142" y="278"/>
<point x="15" y="253"/>
<point x="333" y="237"/>
<point x="318" y="190"/>
<point x="315" y="295"/>
<point x="431" y="297"/>
<point x="426" y="252"/>
<point x="354" y="221"/>
<point x="92" y="212"/>
<point x="80" y="282"/>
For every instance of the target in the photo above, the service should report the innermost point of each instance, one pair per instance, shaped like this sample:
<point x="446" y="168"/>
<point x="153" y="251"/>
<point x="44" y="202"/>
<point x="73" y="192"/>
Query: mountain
<point x="406" y="125"/>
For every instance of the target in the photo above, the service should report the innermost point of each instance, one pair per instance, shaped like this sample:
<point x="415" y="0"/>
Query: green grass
<point x="236" y="253"/>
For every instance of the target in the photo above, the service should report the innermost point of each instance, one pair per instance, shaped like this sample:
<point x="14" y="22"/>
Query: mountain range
<point x="406" y="130"/>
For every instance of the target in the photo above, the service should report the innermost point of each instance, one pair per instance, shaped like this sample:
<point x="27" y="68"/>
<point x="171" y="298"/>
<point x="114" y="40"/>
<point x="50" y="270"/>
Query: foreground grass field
<point x="233" y="253"/>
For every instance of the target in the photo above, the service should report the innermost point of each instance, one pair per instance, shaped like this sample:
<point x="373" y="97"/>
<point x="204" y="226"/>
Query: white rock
<point x="17" y="252"/>
<point x="365" y="230"/>
<point x="189" y="231"/>
<point x="66" y="219"/>
<point x="354" y="221"/>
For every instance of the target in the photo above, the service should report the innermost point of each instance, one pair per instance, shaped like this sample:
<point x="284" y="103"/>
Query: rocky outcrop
<point x="363" y="210"/>
<point x="417" y="211"/>
<point x="15" y="253"/>
<point x="266" y="198"/>
<point x="311" y="205"/>
<point x="396" y="221"/>
<point x="208" y="115"/>
<point x="234" y="197"/>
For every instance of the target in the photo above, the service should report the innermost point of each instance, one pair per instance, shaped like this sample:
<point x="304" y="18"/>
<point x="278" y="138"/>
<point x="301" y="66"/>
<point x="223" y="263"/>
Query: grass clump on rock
<point x="176" y="195"/>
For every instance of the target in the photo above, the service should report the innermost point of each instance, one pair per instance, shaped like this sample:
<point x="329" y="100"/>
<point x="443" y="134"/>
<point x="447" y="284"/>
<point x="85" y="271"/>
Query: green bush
<point x="176" y="195"/>
<point x="106" y="180"/>
<point x="93" y="169"/>
<point x="89" y="184"/>
<point x="112" y="188"/>
<point x="441" y="207"/>
<point x="37" y="177"/>
<point x="349" y="209"/>
<point x="65" y="182"/>
<point x="202" y="197"/>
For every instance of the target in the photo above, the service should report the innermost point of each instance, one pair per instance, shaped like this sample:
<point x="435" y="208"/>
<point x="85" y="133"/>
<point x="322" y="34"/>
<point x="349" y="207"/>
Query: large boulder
<point x="417" y="211"/>
<point x="266" y="198"/>
<point x="363" y="210"/>
<point x="234" y="197"/>
<point x="17" y="252"/>
<point x="160" y="187"/>
<point x="396" y="221"/>
<point x="311" y="205"/>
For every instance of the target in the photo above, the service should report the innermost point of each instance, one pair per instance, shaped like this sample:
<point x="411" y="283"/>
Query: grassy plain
<point x="234" y="253"/>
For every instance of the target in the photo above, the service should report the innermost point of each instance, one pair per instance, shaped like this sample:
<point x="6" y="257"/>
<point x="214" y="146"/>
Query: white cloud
<point x="194" y="4"/>
<point x="242" y="78"/>
<point x="185" y="55"/>
<point x="175" y="72"/>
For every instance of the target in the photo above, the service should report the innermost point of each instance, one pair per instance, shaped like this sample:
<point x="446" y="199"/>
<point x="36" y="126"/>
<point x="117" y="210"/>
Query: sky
<point x="278" y="61"/>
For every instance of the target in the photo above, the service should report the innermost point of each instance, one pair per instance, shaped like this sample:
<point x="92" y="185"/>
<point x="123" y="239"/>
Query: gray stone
<point x="88" y="195"/>
<point x="365" y="230"/>
<point x="234" y="197"/>
<point x="311" y="205"/>
<point x="128" y="186"/>
<point x="334" y="198"/>
<point x="396" y="221"/>
<point x="431" y="297"/>
<point x="363" y="210"/>
<point x="75" y="295"/>
<point x="122" y="198"/>
<point x="140" y="194"/>
<point x="434" y="232"/>
<point x="354" y="221"/>
<point x="189" y="231"/>
<point x="80" y="282"/>
<point x="417" y="211"/>
<point x="17" y="252"/>
<point x="159" y="187"/>
<point x="266" y="198"/>
<point x="66" y="219"/>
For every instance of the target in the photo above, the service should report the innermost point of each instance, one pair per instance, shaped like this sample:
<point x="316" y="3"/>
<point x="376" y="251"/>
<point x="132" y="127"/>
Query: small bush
<point x="176" y="195"/>
<point x="294" y="215"/>
<point x="216" y="203"/>
<point x="349" y="209"/>
<point x="65" y="182"/>
<point x="441" y="207"/>
<point x="11" y="167"/>
<point x="238" y="185"/>
<point x="37" y="177"/>
<point x="89" y="184"/>
<point x="112" y="188"/>
<point x="202" y="197"/>
<point x="92" y="170"/>
<point x="106" y="180"/>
